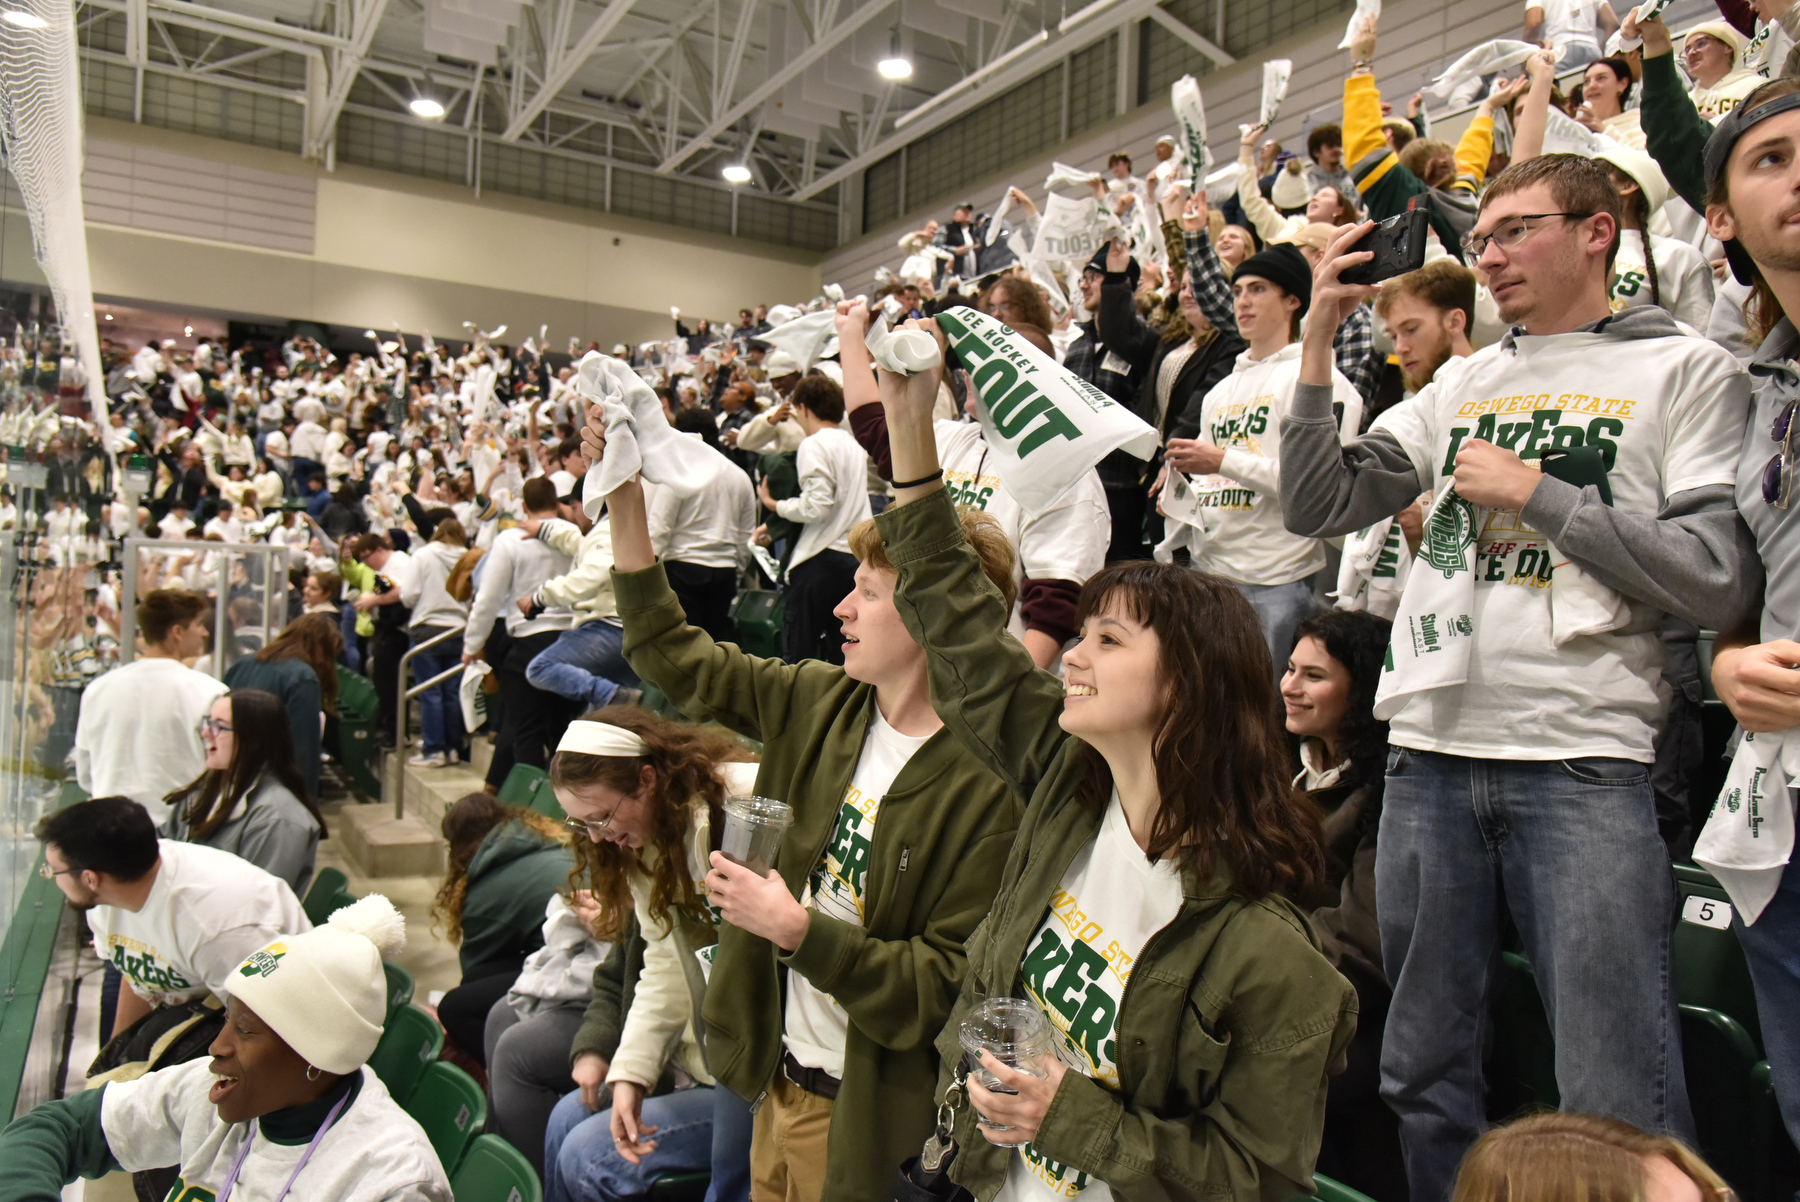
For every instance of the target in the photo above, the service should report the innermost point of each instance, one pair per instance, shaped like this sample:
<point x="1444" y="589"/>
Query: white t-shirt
<point x="206" y="913"/>
<point x="1671" y="412"/>
<point x="1567" y="21"/>
<point x="374" y="1152"/>
<point x="1111" y="901"/>
<point x="1068" y="541"/>
<point x="1684" y="279"/>
<point x="834" y="493"/>
<point x="138" y="735"/>
<point x="816" y="1025"/>
<point x="1246" y="540"/>
<point x="710" y="527"/>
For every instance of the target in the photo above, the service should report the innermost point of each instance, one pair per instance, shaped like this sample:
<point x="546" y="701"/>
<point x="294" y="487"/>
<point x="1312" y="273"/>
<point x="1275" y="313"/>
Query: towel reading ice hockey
<point x="1045" y="425"/>
<point x="1190" y="120"/>
<point x="638" y="436"/>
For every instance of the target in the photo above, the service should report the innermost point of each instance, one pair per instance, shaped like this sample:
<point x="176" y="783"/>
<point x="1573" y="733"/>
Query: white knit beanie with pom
<point x="325" y="992"/>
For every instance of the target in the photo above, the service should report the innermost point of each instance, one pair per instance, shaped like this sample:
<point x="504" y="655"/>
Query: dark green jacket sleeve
<point x="52" y="1146"/>
<point x="1675" y="133"/>
<point x="984" y="684"/>
<point x="615" y="980"/>
<point x="752" y="696"/>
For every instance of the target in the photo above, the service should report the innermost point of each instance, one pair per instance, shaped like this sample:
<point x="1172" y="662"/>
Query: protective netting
<point x="41" y="138"/>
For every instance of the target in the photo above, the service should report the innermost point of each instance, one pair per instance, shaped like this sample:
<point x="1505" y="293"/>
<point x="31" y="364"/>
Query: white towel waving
<point x="639" y="437"/>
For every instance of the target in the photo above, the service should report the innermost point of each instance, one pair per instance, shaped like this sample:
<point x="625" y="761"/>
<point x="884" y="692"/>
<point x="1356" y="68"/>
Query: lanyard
<point x="244" y="1152"/>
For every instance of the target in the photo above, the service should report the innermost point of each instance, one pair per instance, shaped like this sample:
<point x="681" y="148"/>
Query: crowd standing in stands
<point x="1234" y="762"/>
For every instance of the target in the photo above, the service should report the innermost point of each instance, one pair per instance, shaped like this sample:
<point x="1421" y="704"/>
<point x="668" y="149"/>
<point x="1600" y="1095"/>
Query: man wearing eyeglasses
<point x="1752" y="165"/>
<point x="1583" y="469"/>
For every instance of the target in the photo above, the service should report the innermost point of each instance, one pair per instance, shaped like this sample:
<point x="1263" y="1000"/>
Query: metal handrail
<point x="396" y="772"/>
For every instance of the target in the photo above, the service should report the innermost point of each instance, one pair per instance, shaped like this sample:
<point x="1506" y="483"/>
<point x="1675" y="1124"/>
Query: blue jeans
<point x="586" y="664"/>
<point x="1772" y="946"/>
<point x="1280" y="608"/>
<point x="440" y="707"/>
<point x="582" y="1165"/>
<point x="1571" y="849"/>
<point x="731" y="1148"/>
<point x="347" y="628"/>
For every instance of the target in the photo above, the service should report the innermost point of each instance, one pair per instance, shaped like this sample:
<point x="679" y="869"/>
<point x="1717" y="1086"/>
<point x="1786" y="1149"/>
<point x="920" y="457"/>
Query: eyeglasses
<point x="1511" y="232"/>
<point x="593" y="830"/>
<point x="210" y="725"/>
<point x="1778" y="477"/>
<point x="44" y="871"/>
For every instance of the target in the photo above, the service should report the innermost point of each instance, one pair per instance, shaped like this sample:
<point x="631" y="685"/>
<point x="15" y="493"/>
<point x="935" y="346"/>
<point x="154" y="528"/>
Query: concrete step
<point x="381" y="845"/>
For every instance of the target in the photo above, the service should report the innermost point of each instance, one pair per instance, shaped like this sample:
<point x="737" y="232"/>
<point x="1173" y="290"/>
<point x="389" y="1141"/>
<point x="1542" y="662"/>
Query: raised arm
<point x="984" y="684"/>
<point x="1534" y="111"/>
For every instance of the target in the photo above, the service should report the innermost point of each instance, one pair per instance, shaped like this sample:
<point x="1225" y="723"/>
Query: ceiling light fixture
<point x="736" y="173"/>
<point x="426" y="107"/>
<point x="896" y="65"/>
<point x="21" y="19"/>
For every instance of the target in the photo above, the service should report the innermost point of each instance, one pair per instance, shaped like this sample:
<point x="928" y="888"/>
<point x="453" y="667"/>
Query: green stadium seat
<point x="400" y="986"/>
<point x="757" y="614"/>
<point x="327" y="883"/>
<point x="681" y="1187"/>
<point x="350" y="734"/>
<point x="1734" y="1105"/>
<point x="543" y="800"/>
<point x="411" y="1043"/>
<point x="1710" y="970"/>
<point x="1336" y="1191"/>
<point x="516" y="789"/>
<point x="1521" y="1067"/>
<point x="494" y="1171"/>
<point x="452" y="1108"/>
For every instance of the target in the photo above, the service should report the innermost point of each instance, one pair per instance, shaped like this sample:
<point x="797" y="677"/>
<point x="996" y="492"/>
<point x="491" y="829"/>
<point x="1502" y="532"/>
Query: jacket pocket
<point x="1202" y="1058"/>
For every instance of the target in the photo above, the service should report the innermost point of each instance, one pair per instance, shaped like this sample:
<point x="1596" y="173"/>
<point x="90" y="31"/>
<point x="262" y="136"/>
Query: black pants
<point x="1128" y="504"/>
<point x="705" y="595"/>
<point x="532" y="720"/>
<point x="814" y="589"/>
<point x="386" y="647"/>
<point x="464" y="1010"/>
<point x="1361" y="1145"/>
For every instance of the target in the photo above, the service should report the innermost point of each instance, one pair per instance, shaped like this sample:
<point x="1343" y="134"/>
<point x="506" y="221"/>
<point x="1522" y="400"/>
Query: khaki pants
<point x="787" y="1144"/>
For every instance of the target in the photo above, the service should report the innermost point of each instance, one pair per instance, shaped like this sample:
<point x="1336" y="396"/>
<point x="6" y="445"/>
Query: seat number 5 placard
<point x="1704" y="911"/>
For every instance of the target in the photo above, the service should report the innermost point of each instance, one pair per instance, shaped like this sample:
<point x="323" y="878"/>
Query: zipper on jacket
<point x="760" y="1099"/>
<point x="905" y="855"/>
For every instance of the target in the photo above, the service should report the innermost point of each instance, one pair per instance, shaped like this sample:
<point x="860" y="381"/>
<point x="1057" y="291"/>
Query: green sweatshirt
<point x="944" y="830"/>
<point x="1675" y="133"/>
<point x="51" y="1145"/>
<point x="511" y="879"/>
<point x="1231" y="1019"/>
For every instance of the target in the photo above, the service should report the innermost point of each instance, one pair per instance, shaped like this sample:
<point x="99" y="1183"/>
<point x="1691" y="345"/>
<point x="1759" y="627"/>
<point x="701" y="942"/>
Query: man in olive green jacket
<point x="927" y="875"/>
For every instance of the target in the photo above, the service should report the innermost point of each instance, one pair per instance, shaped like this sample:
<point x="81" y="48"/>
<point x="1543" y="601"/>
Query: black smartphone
<point x="1398" y="245"/>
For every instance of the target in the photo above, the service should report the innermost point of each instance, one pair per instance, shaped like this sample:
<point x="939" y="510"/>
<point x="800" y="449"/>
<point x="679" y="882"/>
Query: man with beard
<point x="1428" y="313"/>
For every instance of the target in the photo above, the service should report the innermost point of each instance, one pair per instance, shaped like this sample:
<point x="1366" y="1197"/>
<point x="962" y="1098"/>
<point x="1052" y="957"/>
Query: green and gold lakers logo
<point x="264" y="962"/>
<point x="1449" y="535"/>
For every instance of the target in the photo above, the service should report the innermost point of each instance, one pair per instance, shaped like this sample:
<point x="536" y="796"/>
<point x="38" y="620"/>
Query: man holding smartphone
<point x="1523" y="684"/>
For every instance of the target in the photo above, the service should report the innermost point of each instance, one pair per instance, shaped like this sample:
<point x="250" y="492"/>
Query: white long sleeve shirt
<point x="586" y="588"/>
<point x="834" y="493"/>
<point x="515" y="567"/>
<point x="709" y="528"/>
<point x="138" y="735"/>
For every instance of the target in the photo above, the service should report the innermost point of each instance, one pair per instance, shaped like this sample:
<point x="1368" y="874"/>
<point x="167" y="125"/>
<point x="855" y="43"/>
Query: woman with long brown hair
<point x="649" y="795"/>
<point x="1144" y="909"/>
<point x="1584" y="1158"/>
<point x="300" y="667"/>
<point x="505" y="866"/>
<point x="251" y="800"/>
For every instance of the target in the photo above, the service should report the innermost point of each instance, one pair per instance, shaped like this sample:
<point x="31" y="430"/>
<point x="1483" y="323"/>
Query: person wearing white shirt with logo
<point x="699" y="539"/>
<point x="1523" y="692"/>
<point x="833" y="497"/>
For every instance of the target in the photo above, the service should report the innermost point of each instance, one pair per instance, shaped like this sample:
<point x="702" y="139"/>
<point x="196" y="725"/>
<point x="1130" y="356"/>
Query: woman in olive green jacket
<point x="1141" y="907"/>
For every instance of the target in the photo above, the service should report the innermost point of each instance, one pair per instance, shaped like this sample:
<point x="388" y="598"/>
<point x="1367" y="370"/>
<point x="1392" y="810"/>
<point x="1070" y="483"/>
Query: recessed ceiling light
<point x="188" y="330"/>
<point x="736" y="173"/>
<point x="426" y="107"/>
<point x="109" y="317"/>
<point x="895" y="68"/>
<point x="22" y="19"/>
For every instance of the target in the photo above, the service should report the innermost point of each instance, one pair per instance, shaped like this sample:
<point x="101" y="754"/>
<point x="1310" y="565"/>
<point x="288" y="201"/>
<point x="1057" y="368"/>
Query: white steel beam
<point x="561" y="63"/>
<point x="778" y="79"/>
<point x="1186" y="33"/>
<point x="325" y="102"/>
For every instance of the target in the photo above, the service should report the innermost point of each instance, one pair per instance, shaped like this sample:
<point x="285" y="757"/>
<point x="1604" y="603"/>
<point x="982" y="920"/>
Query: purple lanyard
<point x="250" y="1138"/>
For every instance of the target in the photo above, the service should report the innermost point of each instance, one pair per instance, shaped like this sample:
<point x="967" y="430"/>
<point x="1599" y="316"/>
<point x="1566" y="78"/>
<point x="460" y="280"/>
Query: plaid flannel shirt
<point x="1353" y="347"/>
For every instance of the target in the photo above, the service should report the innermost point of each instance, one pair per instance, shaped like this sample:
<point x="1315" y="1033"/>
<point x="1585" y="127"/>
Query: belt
<point x="812" y="1080"/>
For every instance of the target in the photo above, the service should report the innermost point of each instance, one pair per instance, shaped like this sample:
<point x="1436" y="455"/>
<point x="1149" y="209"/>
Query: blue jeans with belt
<point x="1571" y="849"/>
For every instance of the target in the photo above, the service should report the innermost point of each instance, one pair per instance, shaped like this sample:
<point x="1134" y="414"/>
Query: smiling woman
<point x="285" y="1109"/>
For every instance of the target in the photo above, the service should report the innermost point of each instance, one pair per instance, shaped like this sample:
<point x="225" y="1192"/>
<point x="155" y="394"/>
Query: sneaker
<point x="421" y="760"/>
<point x="626" y="695"/>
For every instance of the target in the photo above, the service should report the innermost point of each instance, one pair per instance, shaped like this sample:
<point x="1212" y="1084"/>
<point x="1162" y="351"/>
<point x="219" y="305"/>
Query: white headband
<point x="585" y="737"/>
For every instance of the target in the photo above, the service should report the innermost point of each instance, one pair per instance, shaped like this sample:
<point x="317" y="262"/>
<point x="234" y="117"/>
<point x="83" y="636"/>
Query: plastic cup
<point x="1013" y="1031"/>
<point x="753" y="830"/>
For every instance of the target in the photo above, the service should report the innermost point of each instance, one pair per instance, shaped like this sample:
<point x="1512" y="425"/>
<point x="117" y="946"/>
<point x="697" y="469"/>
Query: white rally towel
<point x="905" y="352"/>
<point x="1045" y="425"/>
<point x="1373" y="573"/>
<point x="1434" y="628"/>
<point x="1747" y="841"/>
<point x="638" y="436"/>
<point x="809" y="337"/>
<point x="1484" y="59"/>
<point x="1190" y="125"/>
<point x="1364" y="10"/>
<point x="1072" y="229"/>
<point x="474" y="701"/>
<point x="1275" y="85"/>
<point x="1000" y="212"/>
<point x="1185" y="528"/>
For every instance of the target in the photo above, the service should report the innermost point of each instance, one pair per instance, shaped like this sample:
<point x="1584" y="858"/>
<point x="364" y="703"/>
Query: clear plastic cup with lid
<point x="1013" y="1031"/>
<point x="753" y="830"/>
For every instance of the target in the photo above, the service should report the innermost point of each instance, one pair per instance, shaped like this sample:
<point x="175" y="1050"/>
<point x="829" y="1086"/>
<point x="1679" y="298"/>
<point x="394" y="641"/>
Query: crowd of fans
<point x="1386" y="657"/>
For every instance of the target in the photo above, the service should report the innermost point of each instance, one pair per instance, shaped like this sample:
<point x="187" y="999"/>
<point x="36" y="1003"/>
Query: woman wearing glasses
<point x="505" y="866"/>
<point x="647" y="794"/>
<point x="251" y="800"/>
